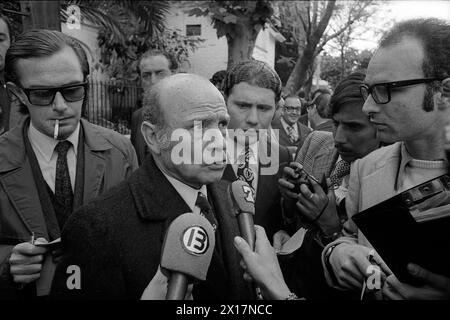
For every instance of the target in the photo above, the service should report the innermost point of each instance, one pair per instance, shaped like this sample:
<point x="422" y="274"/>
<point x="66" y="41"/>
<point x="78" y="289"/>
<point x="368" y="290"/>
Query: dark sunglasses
<point x="381" y="92"/>
<point x="46" y="96"/>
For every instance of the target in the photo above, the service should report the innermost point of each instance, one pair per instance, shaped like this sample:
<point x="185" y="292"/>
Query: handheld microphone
<point x="187" y="252"/>
<point x="244" y="209"/>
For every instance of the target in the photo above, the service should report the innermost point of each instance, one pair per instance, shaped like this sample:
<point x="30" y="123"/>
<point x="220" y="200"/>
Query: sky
<point x="400" y="10"/>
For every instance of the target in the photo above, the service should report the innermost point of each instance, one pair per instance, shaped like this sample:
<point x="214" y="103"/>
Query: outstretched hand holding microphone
<point x="259" y="260"/>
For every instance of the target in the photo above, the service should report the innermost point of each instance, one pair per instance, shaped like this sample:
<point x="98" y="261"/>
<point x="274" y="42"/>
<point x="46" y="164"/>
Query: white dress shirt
<point x="46" y="155"/>
<point x="187" y="193"/>
<point x="294" y="128"/>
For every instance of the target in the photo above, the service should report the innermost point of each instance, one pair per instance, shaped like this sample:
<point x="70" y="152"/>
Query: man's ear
<point x="148" y="131"/>
<point x="16" y="91"/>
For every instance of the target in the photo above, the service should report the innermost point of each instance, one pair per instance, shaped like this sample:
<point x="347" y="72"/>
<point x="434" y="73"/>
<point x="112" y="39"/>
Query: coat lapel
<point x="16" y="178"/>
<point x="95" y="162"/>
<point x="228" y="229"/>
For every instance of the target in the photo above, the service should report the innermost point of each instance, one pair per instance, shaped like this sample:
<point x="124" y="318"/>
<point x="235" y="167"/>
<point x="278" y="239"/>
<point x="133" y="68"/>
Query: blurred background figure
<point x="154" y="66"/>
<point x="217" y="79"/>
<point x="291" y="132"/>
<point x="318" y="112"/>
<point x="5" y="41"/>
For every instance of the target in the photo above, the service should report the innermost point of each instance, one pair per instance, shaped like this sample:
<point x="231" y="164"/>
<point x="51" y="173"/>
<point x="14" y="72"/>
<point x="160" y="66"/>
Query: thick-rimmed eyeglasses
<point x="381" y="92"/>
<point x="292" y="109"/>
<point x="46" y="96"/>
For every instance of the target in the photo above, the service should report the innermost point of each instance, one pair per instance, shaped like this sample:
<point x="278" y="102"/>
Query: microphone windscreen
<point x="242" y="197"/>
<point x="188" y="246"/>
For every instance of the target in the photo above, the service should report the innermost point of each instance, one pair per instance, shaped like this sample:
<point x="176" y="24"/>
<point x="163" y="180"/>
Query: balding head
<point x="186" y="106"/>
<point x="177" y="97"/>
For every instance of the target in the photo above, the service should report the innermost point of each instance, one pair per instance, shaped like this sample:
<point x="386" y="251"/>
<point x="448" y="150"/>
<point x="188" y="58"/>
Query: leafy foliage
<point x="331" y="67"/>
<point x="236" y="20"/>
<point x="312" y="25"/>
<point x="128" y="29"/>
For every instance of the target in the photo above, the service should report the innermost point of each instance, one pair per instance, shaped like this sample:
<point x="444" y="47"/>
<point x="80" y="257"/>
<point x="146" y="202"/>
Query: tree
<point x="128" y="29"/>
<point x="314" y="24"/>
<point x="239" y="21"/>
<point x="333" y="71"/>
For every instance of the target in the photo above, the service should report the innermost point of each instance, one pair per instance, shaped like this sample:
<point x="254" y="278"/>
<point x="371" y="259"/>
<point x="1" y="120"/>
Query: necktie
<point x="291" y="133"/>
<point x="244" y="172"/>
<point x="341" y="169"/>
<point x="205" y="209"/>
<point x="63" y="187"/>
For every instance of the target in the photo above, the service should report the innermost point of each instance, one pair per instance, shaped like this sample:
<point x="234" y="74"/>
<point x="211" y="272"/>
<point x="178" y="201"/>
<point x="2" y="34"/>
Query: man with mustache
<point x="402" y="91"/>
<point x="53" y="161"/>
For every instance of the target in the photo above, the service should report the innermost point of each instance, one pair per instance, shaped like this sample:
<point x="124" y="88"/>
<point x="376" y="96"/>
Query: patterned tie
<point x="244" y="172"/>
<point x="63" y="187"/>
<point x="341" y="169"/>
<point x="205" y="209"/>
<point x="291" y="134"/>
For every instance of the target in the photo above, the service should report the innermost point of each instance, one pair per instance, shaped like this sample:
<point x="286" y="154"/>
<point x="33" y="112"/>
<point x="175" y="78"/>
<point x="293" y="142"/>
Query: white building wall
<point x="212" y="54"/>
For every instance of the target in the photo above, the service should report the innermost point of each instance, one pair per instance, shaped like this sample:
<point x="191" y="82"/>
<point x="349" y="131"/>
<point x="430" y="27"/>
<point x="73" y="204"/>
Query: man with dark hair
<point x="318" y="113"/>
<point x="116" y="240"/>
<point x="321" y="155"/>
<point x="217" y="78"/>
<point x="403" y="87"/>
<point x="5" y="42"/>
<point x="291" y="132"/>
<point x="252" y="90"/>
<point x="53" y="161"/>
<point x="153" y="66"/>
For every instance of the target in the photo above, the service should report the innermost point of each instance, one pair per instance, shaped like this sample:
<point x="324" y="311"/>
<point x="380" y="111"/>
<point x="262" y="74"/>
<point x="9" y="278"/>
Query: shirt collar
<point x="187" y="193"/>
<point x="286" y="125"/>
<point x="46" y="145"/>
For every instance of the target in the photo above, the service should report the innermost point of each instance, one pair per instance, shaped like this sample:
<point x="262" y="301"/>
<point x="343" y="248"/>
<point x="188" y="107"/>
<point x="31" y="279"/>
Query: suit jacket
<point x="109" y="158"/>
<point x="117" y="238"/>
<point x="373" y="179"/>
<point x="268" y="212"/>
<point x="318" y="155"/>
<point x="325" y="126"/>
<point x="283" y="138"/>
<point x="137" y="140"/>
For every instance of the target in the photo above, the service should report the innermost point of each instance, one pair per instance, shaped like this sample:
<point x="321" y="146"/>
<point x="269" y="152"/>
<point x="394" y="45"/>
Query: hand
<point x="26" y="261"/>
<point x="279" y="239"/>
<point x="286" y="183"/>
<point x="436" y="287"/>
<point x="157" y="288"/>
<point x="262" y="265"/>
<point x="311" y="204"/>
<point x="350" y="263"/>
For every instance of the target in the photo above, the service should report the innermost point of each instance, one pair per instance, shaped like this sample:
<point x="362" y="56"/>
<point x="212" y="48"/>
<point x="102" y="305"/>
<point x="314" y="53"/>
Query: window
<point x="193" y="30"/>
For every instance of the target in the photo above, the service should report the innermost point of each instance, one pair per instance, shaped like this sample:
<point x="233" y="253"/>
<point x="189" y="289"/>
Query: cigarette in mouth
<point x="55" y="134"/>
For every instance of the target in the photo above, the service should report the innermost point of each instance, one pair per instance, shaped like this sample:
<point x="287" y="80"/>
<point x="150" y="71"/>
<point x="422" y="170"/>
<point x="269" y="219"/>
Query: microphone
<point x="244" y="210"/>
<point x="186" y="252"/>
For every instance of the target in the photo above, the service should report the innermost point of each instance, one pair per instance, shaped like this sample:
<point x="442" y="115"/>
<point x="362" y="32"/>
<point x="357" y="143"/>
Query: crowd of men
<point x="110" y="199"/>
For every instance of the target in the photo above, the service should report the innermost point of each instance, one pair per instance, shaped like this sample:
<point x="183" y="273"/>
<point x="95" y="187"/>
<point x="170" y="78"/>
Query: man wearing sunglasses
<point x="53" y="161"/>
<point x="402" y="91"/>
